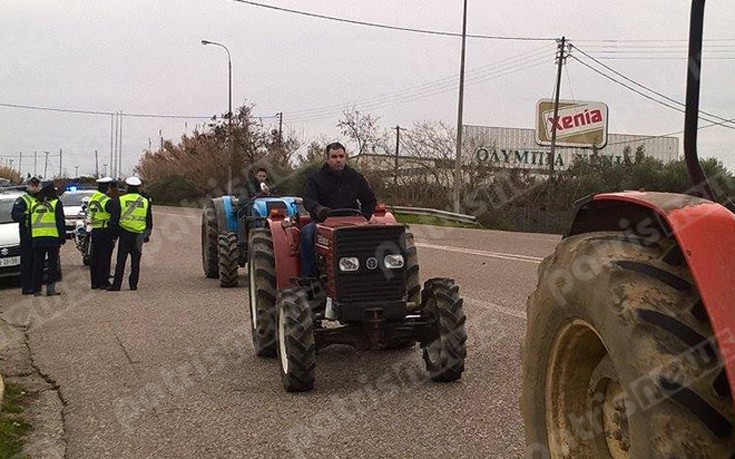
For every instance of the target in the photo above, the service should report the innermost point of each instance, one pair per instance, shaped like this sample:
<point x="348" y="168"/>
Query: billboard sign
<point x="578" y="124"/>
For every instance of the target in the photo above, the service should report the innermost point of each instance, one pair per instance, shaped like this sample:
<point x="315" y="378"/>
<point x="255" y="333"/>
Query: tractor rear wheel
<point x="209" y="240"/>
<point x="296" y="346"/>
<point x="619" y="359"/>
<point x="227" y="259"/>
<point x="262" y="291"/>
<point x="445" y="355"/>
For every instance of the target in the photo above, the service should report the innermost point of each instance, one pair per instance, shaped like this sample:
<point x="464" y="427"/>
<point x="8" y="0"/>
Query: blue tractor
<point x="226" y="222"/>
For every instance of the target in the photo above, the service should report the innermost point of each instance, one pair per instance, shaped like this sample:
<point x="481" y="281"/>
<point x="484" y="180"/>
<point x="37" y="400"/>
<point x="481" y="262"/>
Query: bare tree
<point x="363" y="130"/>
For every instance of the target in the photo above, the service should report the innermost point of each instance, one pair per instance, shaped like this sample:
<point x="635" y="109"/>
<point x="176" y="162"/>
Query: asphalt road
<point x="169" y="370"/>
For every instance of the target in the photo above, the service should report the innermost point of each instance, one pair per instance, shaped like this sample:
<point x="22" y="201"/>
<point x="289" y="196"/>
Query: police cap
<point x="133" y="181"/>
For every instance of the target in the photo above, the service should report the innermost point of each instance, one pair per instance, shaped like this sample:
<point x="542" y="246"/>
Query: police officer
<point x="48" y="234"/>
<point x="134" y="222"/>
<point x="21" y="213"/>
<point x="99" y="209"/>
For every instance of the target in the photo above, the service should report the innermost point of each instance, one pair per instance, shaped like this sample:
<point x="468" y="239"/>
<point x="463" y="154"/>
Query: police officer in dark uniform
<point x="21" y="213"/>
<point x="133" y="220"/>
<point x="48" y="234"/>
<point x="99" y="209"/>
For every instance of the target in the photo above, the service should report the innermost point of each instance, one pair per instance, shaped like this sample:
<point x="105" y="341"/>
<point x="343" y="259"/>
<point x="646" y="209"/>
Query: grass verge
<point x="13" y="427"/>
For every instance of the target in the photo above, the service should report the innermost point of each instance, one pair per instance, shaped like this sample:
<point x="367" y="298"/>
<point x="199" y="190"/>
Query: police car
<point x="9" y="237"/>
<point x="72" y="201"/>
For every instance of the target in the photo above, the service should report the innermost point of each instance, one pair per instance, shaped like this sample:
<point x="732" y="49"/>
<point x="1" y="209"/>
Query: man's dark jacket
<point x="339" y="191"/>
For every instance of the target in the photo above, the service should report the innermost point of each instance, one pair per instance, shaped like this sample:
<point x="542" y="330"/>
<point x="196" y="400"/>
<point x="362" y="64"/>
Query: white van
<point x="9" y="237"/>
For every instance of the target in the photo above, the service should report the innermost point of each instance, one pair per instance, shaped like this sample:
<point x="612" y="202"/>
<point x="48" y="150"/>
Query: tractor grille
<point x="369" y="285"/>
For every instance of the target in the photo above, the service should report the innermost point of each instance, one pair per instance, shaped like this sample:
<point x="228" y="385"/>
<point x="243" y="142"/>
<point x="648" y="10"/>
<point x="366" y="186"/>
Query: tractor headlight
<point x="393" y="261"/>
<point x="349" y="264"/>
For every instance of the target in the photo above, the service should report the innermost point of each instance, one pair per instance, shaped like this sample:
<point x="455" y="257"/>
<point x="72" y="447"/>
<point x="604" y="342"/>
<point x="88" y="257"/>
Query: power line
<point x="711" y="40"/>
<point x="105" y="113"/>
<point x="423" y="95"/>
<point x="452" y="80"/>
<point x="389" y="27"/>
<point x="646" y="87"/>
<point x="514" y="64"/>
<point x="623" y="142"/>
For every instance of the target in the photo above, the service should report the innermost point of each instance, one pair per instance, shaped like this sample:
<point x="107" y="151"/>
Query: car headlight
<point x="393" y="261"/>
<point x="349" y="264"/>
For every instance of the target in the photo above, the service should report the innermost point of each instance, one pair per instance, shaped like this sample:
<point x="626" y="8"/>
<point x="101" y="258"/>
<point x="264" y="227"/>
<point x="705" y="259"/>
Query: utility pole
<point x="112" y="137"/>
<point x="458" y="159"/>
<point x="398" y="146"/>
<point x="60" y="163"/>
<point x="280" y="129"/>
<point x="20" y="163"/>
<point x="76" y="172"/>
<point x="96" y="165"/>
<point x="561" y="58"/>
<point x="120" y="150"/>
<point x="35" y="163"/>
<point x="45" y="167"/>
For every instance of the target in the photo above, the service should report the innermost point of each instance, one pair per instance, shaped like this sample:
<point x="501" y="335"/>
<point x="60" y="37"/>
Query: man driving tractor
<point x="335" y="186"/>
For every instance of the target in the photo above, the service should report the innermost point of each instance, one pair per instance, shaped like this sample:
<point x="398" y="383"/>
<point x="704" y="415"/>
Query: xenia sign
<point x="578" y="124"/>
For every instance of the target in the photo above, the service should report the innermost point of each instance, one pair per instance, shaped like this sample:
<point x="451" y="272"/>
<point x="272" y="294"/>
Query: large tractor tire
<point x="445" y="355"/>
<point x="413" y="284"/>
<point x="209" y="241"/>
<point x="619" y="359"/>
<point x="227" y="259"/>
<point x="296" y="345"/>
<point x="262" y="291"/>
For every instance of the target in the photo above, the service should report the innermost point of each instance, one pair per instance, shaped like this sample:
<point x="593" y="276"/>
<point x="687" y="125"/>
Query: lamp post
<point x="229" y="113"/>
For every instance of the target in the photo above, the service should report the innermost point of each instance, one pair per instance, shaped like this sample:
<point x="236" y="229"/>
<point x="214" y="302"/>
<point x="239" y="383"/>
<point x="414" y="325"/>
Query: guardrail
<point x="462" y="218"/>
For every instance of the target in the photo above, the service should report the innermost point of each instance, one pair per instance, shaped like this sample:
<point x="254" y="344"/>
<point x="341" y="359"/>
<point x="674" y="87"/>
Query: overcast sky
<point x="146" y="57"/>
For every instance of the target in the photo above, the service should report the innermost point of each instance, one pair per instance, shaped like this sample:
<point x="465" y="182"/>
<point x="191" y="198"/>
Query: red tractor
<point x="367" y="295"/>
<point x="630" y="345"/>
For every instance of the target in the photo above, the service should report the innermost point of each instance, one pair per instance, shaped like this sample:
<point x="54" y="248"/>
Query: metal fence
<point x="462" y="218"/>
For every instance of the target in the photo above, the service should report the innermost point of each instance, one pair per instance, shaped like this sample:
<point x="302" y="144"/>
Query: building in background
<point x="517" y="148"/>
<point x="509" y="148"/>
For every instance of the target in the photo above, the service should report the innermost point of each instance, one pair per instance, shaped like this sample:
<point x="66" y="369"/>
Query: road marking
<point x="158" y="212"/>
<point x="482" y="253"/>
<point x="496" y="308"/>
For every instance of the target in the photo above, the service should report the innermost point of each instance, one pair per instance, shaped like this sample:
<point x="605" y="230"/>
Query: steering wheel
<point x="345" y="212"/>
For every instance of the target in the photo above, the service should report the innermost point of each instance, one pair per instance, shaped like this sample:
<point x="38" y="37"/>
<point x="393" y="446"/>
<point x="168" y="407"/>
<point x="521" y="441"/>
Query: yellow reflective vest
<point x="133" y="212"/>
<point x="99" y="217"/>
<point x="29" y="200"/>
<point x="43" y="219"/>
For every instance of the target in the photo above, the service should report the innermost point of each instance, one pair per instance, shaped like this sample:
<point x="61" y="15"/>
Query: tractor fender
<point x="286" y="250"/>
<point x="705" y="233"/>
<point x="226" y="215"/>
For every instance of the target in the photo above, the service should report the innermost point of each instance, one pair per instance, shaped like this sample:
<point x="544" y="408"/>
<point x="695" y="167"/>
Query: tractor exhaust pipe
<point x="699" y="180"/>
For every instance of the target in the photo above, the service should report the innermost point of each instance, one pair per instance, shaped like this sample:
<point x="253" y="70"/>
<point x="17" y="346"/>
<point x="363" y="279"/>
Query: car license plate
<point x="10" y="261"/>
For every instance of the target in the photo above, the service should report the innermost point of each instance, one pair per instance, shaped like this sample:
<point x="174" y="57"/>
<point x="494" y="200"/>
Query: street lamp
<point x="229" y="113"/>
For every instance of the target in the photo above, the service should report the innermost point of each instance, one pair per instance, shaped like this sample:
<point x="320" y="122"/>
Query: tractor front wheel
<point x="296" y="346"/>
<point x="441" y="305"/>
<point x="228" y="254"/>
<point x="619" y="359"/>
<point x="262" y="291"/>
<point x="209" y="240"/>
